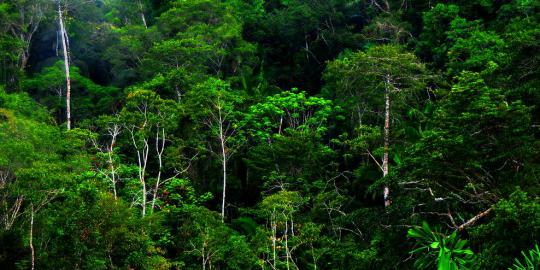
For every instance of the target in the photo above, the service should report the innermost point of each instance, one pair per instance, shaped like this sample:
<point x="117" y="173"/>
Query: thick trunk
<point x="24" y="59"/>
<point x="65" y="42"/>
<point x="386" y="190"/>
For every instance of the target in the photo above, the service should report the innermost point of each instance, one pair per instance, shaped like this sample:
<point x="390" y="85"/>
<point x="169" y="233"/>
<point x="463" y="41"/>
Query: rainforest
<point x="270" y="134"/>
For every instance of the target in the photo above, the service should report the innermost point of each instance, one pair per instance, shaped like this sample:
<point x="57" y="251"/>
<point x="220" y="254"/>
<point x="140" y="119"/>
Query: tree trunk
<point x="386" y="191"/>
<point x="286" y="236"/>
<point x="24" y="59"/>
<point x="159" y="151"/>
<point x="143" y="183"/>
<point x="142" y="177"/>
<point x="274" y="237"/>
<point x="113" y="173"/>
<point x="143" y="18"/>
<point x="224" y="167"/>
<point x="65" y="44"/>
<point x="31" y="241"/>
<point x="142" y="158"/>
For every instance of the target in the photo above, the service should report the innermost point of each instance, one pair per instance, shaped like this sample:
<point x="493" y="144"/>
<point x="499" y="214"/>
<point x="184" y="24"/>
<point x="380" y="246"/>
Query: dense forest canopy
<point x="269" y="134"/>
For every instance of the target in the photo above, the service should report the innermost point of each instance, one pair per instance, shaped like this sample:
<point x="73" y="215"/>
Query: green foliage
<point x="446" y="252"/>
<point x="89" y="97"/>
<point x="480" y="51"/>
<point x="519" y="211"/>
<point x="359" y="80"/>
<point x="287" y="112"/>
<point x="528" y="261"/>
<point x="93" y="230"/>
<point x="433" y="43"/>
<point x="202" y="240"/>
<point x="129" y="44"/>
<point x="170" y="98"/>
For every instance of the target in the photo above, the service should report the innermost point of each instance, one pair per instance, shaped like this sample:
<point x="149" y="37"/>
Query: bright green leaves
<point x="179" y="192"/>
<point x="90" y="228"/>
<point x="287" y="112"/>
<point x="145" y="113"/>
<point x="214" y="104"/>
<point x="528" y="261"/>
<point x="282" y="203"/>
<point x="287" y="132"/>
<point x="29" y="147"/>
<point x="445" y="252"/>
<point x="479" y="51"/>
<point x="452" y="42"/>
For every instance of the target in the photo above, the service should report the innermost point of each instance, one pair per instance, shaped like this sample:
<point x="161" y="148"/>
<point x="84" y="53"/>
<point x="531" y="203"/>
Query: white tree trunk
<point x="65" y="48"/>
<point x="224" y="166"/>
<point x="160" y="147"/>
<point x="286" y="236"/>
<point x="113" y="173"/>
<point x="143" y="18"/>
<point x="114" y="131"/>
<point x="274" y="237"/>
<point x="142" y="161"/>
<point x="386" y="190"/>
<point x="31" y="241"/>
<point x="142" y="172"/>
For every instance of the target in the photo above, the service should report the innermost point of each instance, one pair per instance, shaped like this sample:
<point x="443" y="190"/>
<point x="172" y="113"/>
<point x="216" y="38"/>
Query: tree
<point x="204" y="37"/>
<point x="279" y="209"/>
<point x="286" y="133"/>
<point x="434" y="41"/>
<point x="22" y="21"/>
<point x="145" y="117"/>
<point x="360" y="79"/>
<point x="298" y="37"/>
<point x="477" y="130"/>
<point x="215" y="104"/>
<point x="65" y="50"/>
<point x="202" y="240"/>
<point x="519" y="209"/>
<point x="91" y="98"/>
<point x="128" y="47"/>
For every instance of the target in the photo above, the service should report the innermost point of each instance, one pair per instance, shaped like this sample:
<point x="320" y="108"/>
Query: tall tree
<point x="147" y="117"/>
<point x="217" y="105"/>
<point x="22" y="22"/>
<point x="65" y="49"/>
<point x="382" y="78"/>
